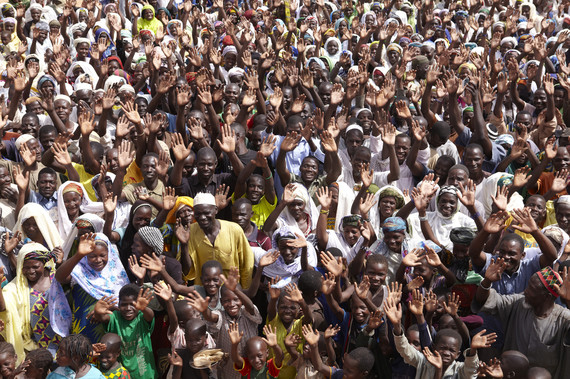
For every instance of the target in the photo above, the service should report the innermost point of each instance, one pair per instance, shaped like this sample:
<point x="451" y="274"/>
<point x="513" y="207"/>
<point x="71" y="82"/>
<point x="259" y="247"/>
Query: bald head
<point x="111" y="341"/>
<point x="514" y="364"/>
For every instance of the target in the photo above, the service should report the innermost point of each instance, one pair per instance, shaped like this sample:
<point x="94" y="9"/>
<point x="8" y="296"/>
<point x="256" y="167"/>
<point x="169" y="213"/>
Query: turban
<point x="79" y="40"/>
<point x="180" y="202"/>
<point x="40" y="26"/>
<point x="394" y="224"/>
<point x="549" y="278"/>
<point x="153" y="238"/>
<point x="354" y="127"/>
<point x="40" y="255"/>
<point x="462" y="235"/>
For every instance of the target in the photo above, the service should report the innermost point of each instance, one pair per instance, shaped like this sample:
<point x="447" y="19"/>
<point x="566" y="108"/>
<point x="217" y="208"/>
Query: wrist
<point x="486" y="284"/>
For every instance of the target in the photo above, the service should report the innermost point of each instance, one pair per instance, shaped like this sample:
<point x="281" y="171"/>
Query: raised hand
<point x="414" y="258"/>
<point x="163" y="291"/>
<point x="433" y="358"/>
<point x="274" y="293"/>
<point x="482" y="340"/>
<point x="395" y="291"/>
<point x="496" y="222"/>
<point x="415" y="283"/>
<point x="221" y="196"/>
<point x="152" y="262"/>
<point x="495" y="270"/>
<point x="11" y="242"/>
<point x="393" y="311"/>
<point x="86" y="244"/>
<point x="466" y="193"/>
<point x="367" y="203"/>
<point x="432" y="257"/>
<point x="452" y="305"/>
<point x="491" y="370"/>
<point x="182" y="232"/>
<point x="136" y="269"/>
<point x="311" y="336"/>
<point x="105" y="305"/>
<point x="293" y="293"/>
<point x="197" y="302"/>
<point x="361" y="289"/>
<point x="22" y="178"/>
<point x="430" y="304"/>
<point x="416" y="305"/>
<point x="110" y="203"/>
<point x="232" y="280"/>
<point x="234" y="333"/>
<point x="332" y="264"/>
<point x="523" y="221"/>
<point x="325" y="198"/>
<point x="270" y="335"/>
<point x="292" y="340"/>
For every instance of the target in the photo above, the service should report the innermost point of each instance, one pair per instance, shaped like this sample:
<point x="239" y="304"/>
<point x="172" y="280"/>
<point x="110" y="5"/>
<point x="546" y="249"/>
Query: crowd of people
<point x="285" y="189"/>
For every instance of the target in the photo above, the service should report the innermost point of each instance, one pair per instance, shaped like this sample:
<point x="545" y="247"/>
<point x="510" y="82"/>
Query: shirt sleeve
<point x="497" y="305"/>
<point x="469" y="369"/>
<point x="272" y="369"/>
<point x="246" y="260"/>
<point x="245" y="370"/>
<point x="255" y="317"/>
<point x="410" y="355"/>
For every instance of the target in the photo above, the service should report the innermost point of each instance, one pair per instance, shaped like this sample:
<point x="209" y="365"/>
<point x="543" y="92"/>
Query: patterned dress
<point x="39" y="320"/>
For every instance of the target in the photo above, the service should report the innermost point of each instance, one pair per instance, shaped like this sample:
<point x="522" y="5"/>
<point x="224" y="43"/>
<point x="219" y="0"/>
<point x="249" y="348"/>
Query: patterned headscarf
<point x="395" y="193"/>
<point x="40" y="255"/>
<point x="284" y="232"/>
<point x="549" y="278"/>
<point x="153" y="238"/>
<point x="351" y="220"/>
<point x="394" y="224"/>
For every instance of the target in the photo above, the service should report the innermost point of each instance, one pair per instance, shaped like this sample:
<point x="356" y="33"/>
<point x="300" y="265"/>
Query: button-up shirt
<point x="518" y="281"/>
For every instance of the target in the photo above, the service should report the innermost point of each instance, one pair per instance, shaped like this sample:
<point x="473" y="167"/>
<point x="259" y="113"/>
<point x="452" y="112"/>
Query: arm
<point x="312" y="338"/>
<point x="325" y="199"/>
<point x="86" y="246"/>
<point x="87" y="126"/>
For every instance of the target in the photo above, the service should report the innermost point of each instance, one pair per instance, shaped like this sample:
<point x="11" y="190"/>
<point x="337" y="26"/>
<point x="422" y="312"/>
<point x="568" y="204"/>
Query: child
<point x="109" y="358"/>
<point x="255" y="364"/>
<point x="446" y="346"/>
<point x="310" y="283"/>
<point x="302" y="362"/>
<point x="512" y="364"/>
<point x="238" y="308"/>
<point x="196" y="340"/>
<point x="40" y="363"/>
<point x="133" y="322"/>
<point x="376" y="269"/>
<point x="73" y="357"/>
<point x="8" y="359"/>
<point x="426" y="265"/>
<point x="357" y="364"/>
<point x="282" y="315"/>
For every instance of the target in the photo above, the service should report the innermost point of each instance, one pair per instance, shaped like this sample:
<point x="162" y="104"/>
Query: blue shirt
<point x="517" y="282"/>
<point x="37" y="198"/>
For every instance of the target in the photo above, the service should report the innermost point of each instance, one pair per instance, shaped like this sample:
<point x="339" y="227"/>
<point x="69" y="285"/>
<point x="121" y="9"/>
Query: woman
<point x="24" y="301"/>
<point x="389" y="199"/>
<point x="84" y="224"/>
<point x="439" y="223"/>
<point x="296" y="210"/>
<point x="94" y="272"/>
<point x="184" y="211"/>
<point x="77" y="68"/>
<point x="148" y="21"/>
<point x="75" y="202"/>
<point x="36" y="225"/>
<point x="110" y="46"/>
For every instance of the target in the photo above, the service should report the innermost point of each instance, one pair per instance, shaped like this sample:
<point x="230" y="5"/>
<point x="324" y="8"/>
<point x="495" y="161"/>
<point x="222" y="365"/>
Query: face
<point x="424" y="270"/>
<point x="82" y="50"/>
<point x="376" y="273"/>
<point x="448" y="348"/>
<point x="558" y="98"/>
<point x="230" y="61"/>
<point x="351" y="369"/>
<point x="72" y="201"/>
<point x="296" y="208"/>
<point x="231" y="303"/>
<point x="142" y="217"/>
<point x="195" y="341"/>
<point x="414" y="339"/>
<point x="332" y="47"/>
<point x="454" y="177"/>
<point x="562" y="159"/>
<point x="205" y="167"/>
<point x="211" y="280"/>
<point x="257" y="353"/>
<point x="535" y="293"/>
<point x="441" y="169"/>
<point x="393" y="57"/>
<point x="309" y="170"/>
<point x="127" y="307"/>
<point x="61" y="357"/>
<point x="34" y="146"/>
<point x="473" y="159"/>
<point x="394" y="240"/>
<point x="186" y="215"/>
<point x="537" y="207"/>
<point x="241" y="215"/>
<point x="33" y="270"/>
<point x="32" y="230"/>
<point x="365" y="120"/>
<point x="387" y="206"/>
<point x="30" y="125"/>
<point x="512" y="252"/>
<point x="47" y="139"/>
<point x="108" y="358"/>
<point x="47" y="184"/>
<point x="255" y="189"/>
<point x="353" y="140"/>
<point x="287" y="310"/>
<point x="205" y="215"/>
<point x="62" y="109"/>
<point x="539" y="100"/>
<point x="35" y="107"/>
<point x="359" y="310"/>
<point x="5" y="178"/>
<point x="97" y="259"/>
<point x="36" y="14"/>
<point x="139" y="247"/>
<point x="325" y="93"/>
<point x="147" y="14"/>
<point x="563" y="216"/>
<point x="402" y="147"/>
<point x="288" y="253"/>
<point x="148" y="169"/>
<point x="351" y="234"/>
<point x="447" y="204"/>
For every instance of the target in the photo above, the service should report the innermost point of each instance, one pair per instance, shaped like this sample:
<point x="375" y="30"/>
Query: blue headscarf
<point x="109" y="50"/>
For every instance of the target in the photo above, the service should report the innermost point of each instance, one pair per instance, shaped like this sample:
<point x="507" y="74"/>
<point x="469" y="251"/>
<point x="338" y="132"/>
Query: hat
<point x="22" y="140"/>
<point x="462" y="235"/>
<point x="549" y="278"/>
<point x="153" y="238"/>
<point x="204" y="198"/>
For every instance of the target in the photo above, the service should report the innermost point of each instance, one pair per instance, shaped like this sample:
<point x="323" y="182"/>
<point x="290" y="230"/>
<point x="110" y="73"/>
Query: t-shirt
<point x="85" y="179"/>
<point x="119" y="373"/>
<point x="136" y="347"/>
<point x="261" y="210"/>
<point x="281" y="332"/>
<point x="269" y="370"/>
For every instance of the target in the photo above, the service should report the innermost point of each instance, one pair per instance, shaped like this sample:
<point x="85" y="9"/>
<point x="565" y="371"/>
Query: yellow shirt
<point x="85" y="179"/>
<point x="156" y="194"/>
<point x="230" y="248"/>
<point x="133" y="174"/>
<point x="287" y="372"/>
<point x="261" y="210"/>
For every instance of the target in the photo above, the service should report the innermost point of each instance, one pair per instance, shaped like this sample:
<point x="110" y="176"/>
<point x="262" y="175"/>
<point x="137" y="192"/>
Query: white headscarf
<point x="285" y="218"/>
<point x="334" y="58"/>
<point x="97" y="223"/>
<point x="43" y="220"/>
<point x="86" y="206"/>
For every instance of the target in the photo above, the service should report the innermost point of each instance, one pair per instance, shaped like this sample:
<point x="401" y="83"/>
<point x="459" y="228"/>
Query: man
<point x="151" y="189"/>
<point x="534" y="324"/>
<point x="231" y="249"/>
<point x="241" y="214"/>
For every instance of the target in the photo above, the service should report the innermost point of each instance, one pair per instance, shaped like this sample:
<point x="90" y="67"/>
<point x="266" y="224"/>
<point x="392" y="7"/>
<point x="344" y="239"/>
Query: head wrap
<point x="505" y="139"/>
<point x="284" y="232"/>
<point x="394" y="47"/>
<point x="462" y="235"/>
<point x="505" y="180"/>
<point x="354" y="127"/>
<point x="391" y="191"/>
<point x="73" y="187"/>
<point x="564" y="199"/>
<point x="350" y="220"/>
<point x="447" y="189"/>
<point x="204" y="198"/>
<point x="24" y="138"/>
<point x="509" y="39"/>
<point x="153" y="238"/>
<point x="40" y="25"/>
<point x="180" y="202"/>
<point x="394" y="224"/>
<point x="230" y="49"/>
<point x="549" y="278"/>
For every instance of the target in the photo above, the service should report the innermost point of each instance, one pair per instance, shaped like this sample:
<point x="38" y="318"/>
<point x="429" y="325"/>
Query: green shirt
<point x="136" y="348"/>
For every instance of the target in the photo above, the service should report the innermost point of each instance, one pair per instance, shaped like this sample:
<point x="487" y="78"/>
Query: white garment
<point x="87" y="206"/>
<point x="45" y="224"/>
<point x="441" y="227"/>
<point x="337" y="240"/>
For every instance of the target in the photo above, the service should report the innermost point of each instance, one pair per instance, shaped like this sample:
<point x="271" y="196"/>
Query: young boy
<point x="255" y="363"/>
<point x="109" y="363"/>
<point x="446" y="346"/>
<point x="134" y="323"/>
<point x="238" y="308"/>
<point x="196" y="340"/>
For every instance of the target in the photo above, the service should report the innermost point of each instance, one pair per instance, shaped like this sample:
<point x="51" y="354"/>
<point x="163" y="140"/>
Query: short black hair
<point x="242" y="200"/>
<point x="513" y="237"/>
<point x="364" y="357"/>
<point x="7" y="348"/>
<point x="78" y="347"/>
<point x="112" y="342"/>
<point x="309" y="282"/>
<point x="212" y="264"/>
<point x="47" y="171"/>
<point x="377" y="259"/>
<point x="129" y="290"/>
<point x="47" y="129"/>
<point x="40" y="359"/>
<point x="448" y="333"/>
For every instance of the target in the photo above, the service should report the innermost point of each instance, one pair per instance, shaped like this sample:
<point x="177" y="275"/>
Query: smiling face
<point x="231" y="303"/>
<point x="241" y="214"/>
<point x="97" y="259"/>
<point x="127" y="307"/>
<point x="148" y="169"/>
<point x="351" y="234"/>
<point x="256" y="352"/>
<point x="288" y="253"/>
<point x="33" y="270"/>
<point x="473" y="159"/>
<point x="387" y="206"/>
<point x="394" y="240"/>
<point x="139" y="247"/>
<point x="211" y="280"/>
<point x="537" y="206"/>
<point x="255" y="188"/>
<point x="72" y="201"/>
<point x="5" y="178"/>
<point x="205" y="215"/>
<point x="512" y="251"/>
<point x="376" y="273"/>
<point x="309" y="169"/>
<point x="447" y="204"/>
<point x="287" y="310"/>
<point x="359" y="310"/>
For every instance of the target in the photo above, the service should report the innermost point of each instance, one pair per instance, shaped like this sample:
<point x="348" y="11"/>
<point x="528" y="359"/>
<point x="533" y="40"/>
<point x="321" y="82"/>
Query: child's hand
<point x="86" y="244"/>
<point x="395" y="291"/>
<point x="144" y="298"/>
<point x="333" y="265"/>
<point x="21" y="368"/>
<point x="480" y="341"/>
<point x="452" y="305"/>
<point x="328" y="284"/>
<point x="312" y="337"/>
<point x="98" y="348"/>
<point x="332" y="331"/>
<point x="430" y="302"/>
<point x="235" y="334"/>
<point x="432" y="257"/>
<point x="136" y="269"/>
<point x="232" y="280"/>
<point x="152" y="263"/>
<point x="104" y="305"/>
<point x="375" y="320"/>
<point x="417" y="282"/>
<point x="268" y="259"/>
<point x="198" y="302"/>
<point x="416" y="305"/>
<point x="492" y="369"/>
<point x="292" y="340"/>
<point x="174" y="359"/>
<point x="270" y="334"/>
<point x="293" y="293"/>
<point x="163" y="291"/>
<point x="433" y="358"/>
<point x="362" y="288"/>
<point x="413" y="258"/>
<point x="274" y="292"/>
<point x="393" y="311"/>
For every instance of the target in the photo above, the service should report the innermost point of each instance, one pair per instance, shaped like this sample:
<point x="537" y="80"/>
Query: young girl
<point x="73" y="357"/>
<point x="40" y="361"/>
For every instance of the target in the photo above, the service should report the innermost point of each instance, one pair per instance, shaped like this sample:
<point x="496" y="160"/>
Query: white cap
<point x="204" y="198"/>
